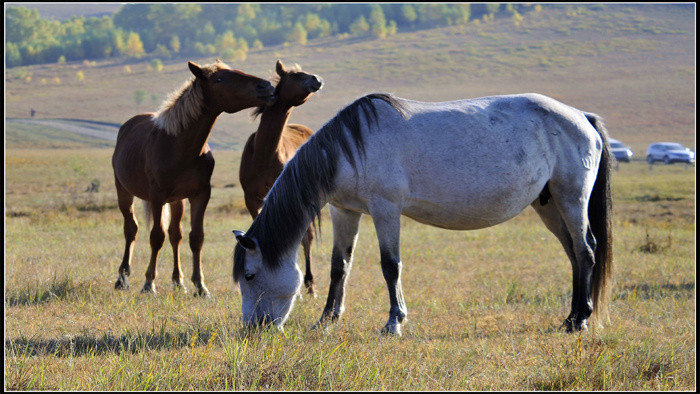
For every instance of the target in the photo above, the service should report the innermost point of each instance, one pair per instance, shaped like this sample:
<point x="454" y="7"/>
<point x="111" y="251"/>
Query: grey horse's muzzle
<point x="263" y="322"/>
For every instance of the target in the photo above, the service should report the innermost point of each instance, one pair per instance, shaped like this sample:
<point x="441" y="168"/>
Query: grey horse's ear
<point x="244" y="241"/>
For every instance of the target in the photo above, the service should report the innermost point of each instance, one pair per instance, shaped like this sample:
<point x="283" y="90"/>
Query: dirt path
<point x="101" y="130"/>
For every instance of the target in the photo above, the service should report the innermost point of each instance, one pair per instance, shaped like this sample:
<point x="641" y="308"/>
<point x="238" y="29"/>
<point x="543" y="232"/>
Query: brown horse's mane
<point x="183" y="105"/>
<point x="294" y="68"/>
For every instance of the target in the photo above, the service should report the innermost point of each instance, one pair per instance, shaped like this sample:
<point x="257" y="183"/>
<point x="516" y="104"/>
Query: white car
<point x="621" y="151"/>
<point x="669" y="152"/>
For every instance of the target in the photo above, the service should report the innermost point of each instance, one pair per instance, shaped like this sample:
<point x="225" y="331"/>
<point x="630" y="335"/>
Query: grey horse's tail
<point x="600" y="218"/>
<point x="147" y="211"/>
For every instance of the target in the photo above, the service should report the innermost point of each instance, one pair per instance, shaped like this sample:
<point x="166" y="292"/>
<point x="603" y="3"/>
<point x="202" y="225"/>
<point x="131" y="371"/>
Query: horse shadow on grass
<point x="90" y="345"/>
<point x="646" y="291"/>
<point x="130" y="343"/>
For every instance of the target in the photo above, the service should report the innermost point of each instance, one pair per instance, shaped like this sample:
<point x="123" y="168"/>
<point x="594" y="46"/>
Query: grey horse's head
<point x="267" y="293"/>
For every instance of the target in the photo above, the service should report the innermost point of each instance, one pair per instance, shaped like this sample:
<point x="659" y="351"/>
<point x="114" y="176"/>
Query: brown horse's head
<point x="228" y="90"/>
<point x="295" y="86"/>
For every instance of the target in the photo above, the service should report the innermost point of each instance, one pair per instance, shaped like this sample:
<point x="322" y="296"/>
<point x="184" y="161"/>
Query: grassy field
<point x="66" y="328"/>
<point x="485" y="307"/>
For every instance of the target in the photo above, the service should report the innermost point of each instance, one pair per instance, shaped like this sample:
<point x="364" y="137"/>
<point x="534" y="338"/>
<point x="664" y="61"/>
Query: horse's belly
<point x="454" y="216"/>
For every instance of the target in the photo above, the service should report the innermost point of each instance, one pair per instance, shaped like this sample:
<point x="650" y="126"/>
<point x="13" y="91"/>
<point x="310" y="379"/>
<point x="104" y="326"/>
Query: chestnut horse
<point x="164" y="158"/>
<point x="275" y="142"/>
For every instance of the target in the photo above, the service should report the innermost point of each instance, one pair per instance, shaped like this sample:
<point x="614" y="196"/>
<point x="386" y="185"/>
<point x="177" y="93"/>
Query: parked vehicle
<point x="621" y="151"/>
<point x="669" y="152"/>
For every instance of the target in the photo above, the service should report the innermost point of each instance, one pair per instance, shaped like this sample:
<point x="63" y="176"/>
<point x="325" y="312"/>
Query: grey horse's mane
<point x="297" y="196"/>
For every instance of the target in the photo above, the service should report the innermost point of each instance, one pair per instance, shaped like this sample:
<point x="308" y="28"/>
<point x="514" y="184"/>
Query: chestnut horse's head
<point x="295" y="86"/>
<point x="228" y="90"/>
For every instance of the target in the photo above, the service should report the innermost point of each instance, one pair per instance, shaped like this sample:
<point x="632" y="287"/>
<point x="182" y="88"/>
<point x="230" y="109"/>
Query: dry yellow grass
<point x="484" y="306"/>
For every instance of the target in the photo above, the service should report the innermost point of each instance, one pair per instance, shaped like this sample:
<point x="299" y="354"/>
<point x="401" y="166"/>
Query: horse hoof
<point x="122" y="281"/>
<point x="571" y="327"/>
<point x="149" y="288"/>
<point x="311" y="290"/>
<point x="202" y="292"/>
<point x="392" y="329"/>
<point x="121" y="284"/>
<point x="178" y="286"/>
<point x="326" y="320"/>
<point x="321" y="326"/>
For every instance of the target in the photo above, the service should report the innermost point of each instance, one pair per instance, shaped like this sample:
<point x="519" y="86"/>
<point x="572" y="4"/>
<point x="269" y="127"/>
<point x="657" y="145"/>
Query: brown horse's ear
<point x="196" y="70"/>
<point x="280" y="68"/>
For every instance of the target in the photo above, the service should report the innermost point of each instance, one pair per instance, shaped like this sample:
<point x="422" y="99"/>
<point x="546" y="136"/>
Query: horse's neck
<point x="290" y="207"/>
<point x="269" y="135"/>
<point x="193" y="140"/>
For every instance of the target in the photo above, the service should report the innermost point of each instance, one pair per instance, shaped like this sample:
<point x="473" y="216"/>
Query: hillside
<point x="61" y="11"/>
<point x="632" y="64"/>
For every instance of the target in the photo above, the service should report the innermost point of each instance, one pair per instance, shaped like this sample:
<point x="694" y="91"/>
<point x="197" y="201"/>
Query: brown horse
<point x="164" y="158"/>
<point x="275" y="142"/>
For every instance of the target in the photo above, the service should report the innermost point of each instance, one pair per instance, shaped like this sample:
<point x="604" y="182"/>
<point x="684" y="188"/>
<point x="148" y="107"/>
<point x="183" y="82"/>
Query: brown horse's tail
<point x="149" y="218"/>
<point x="600" y="218"/>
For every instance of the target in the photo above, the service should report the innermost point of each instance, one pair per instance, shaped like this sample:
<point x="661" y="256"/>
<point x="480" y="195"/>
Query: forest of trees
<point x="227" y="31"/>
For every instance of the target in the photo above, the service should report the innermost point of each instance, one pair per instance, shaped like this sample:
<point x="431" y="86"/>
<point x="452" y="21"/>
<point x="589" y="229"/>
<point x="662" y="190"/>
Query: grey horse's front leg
<point x="388" y="225"/>
<point x="391" y="268"/>
<point x="346" y="225"/>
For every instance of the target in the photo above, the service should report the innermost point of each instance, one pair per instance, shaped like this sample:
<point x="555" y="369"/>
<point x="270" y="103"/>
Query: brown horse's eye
<point x="218" y="80"/>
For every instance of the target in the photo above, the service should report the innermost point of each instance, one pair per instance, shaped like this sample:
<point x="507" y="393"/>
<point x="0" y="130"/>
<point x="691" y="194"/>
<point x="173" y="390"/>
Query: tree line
<point x="227" y="31"/>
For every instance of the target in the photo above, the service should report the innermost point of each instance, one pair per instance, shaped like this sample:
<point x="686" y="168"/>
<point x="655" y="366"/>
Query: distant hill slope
<point x="58" y="134"/>
<point x="62" y="11"/>
<point x="99" y="130"/>
<point x="633" y="64"/>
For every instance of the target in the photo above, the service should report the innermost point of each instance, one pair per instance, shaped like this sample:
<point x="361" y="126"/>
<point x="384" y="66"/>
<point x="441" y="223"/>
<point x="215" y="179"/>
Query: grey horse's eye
<point x="249" y="277"/>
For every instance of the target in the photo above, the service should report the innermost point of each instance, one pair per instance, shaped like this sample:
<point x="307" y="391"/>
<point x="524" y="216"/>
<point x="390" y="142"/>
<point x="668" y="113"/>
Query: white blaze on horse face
<point x="268" y="295"/>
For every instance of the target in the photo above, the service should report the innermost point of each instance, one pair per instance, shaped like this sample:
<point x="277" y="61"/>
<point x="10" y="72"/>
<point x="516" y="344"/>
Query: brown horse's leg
<point x="309" y="277"/>
<point x="198" y="205"/>
<point x="131" y="228"/>
<point x="157" y="239"/>
<point x="177" y="209"/>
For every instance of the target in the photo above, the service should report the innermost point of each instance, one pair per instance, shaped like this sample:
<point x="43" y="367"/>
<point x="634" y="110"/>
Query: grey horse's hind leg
<point x="574" y="234"/>
<point x="346" y="225"/>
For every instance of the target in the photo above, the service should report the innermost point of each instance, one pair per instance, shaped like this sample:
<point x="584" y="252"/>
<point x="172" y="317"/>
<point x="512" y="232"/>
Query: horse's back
<point x="486" y="132"/>
<point x="293" y="136"/>
<point x="462" y="164"/>
<point x="135" y="129"/>
<point x="296" y="134"/>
